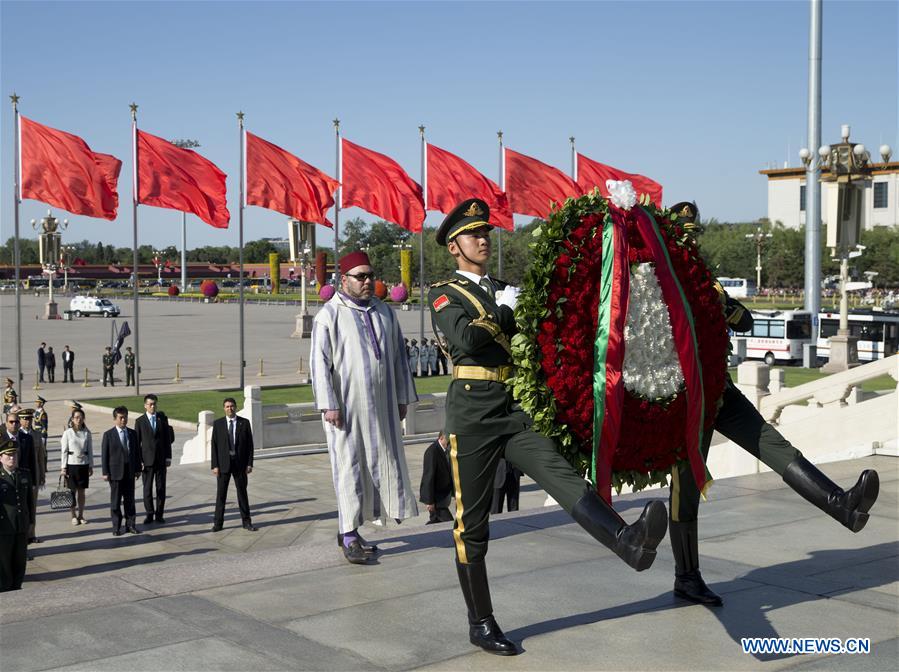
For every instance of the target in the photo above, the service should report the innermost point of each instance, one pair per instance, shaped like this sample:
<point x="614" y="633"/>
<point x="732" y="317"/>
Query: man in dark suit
<point x="41" y="360"/>
<point x="121" y="466"/>
<point x="506" y="486"/>
<point x="232" y="455"/>
<point x="50" y="360"/>
<point x="68" y="365"/>
<point x="436" y="491"/>
<point x="154" y="442"/>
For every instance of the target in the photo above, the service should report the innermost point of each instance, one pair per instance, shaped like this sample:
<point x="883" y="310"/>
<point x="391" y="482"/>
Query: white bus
<point x="778" y="335"/>
<point x="739" y="288"/>
<point x="877" y="332"/>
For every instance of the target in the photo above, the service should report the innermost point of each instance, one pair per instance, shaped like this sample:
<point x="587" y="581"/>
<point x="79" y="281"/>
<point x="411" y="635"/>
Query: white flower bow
<point x="622" y="193"/>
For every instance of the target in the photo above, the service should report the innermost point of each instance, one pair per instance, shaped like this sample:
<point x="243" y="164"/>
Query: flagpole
<point x="337" y="203"/>
<point x="502" y="185"/>
<point x="573" y="159"/>
<point x="421" y="251"/>
<point x="16" y="255"/>
<point x="242" y="364"/>
<point x="135" y="197"/>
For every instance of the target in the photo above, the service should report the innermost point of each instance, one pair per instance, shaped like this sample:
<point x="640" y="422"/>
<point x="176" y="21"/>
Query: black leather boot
<point x="483" y="630"/>
<point x="849" y="507"/>
<point x="635" y="544"/>
<point x="688" y="582"/>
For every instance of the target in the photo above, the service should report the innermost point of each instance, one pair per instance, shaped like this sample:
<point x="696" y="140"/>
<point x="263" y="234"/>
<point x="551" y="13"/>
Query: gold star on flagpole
<point x="499" y="134"/>
<point x="240" y="116"/>
<point x="133" y="108"/>
<point x="15" y="100"/>
<point x="421" y="129"/>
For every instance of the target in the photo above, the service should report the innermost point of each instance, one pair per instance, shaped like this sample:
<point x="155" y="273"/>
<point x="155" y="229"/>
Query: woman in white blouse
<point x="77" y="461"/>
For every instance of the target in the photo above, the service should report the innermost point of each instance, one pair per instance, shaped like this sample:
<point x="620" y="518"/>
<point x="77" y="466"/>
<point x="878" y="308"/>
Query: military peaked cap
<point x="7" y="446"/>
<point x="468" y="215"/>
<point x="25" y="412"/>
<point x="687" y="214"/>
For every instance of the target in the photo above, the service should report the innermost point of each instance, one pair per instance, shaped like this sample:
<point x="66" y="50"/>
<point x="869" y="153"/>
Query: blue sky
<point x="697" y="95"/>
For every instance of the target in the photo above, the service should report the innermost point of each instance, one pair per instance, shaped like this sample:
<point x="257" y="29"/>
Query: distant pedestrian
<point x="414" y="354"/>
<point x="51" y="365"/>
<point x="506" y="486"/>
<point x="77" y="462"/>
<point x="108" y="366"/>
<point x="68" y="365"/>
<point x="41" y="360"/>
<point x="232" y="457"/>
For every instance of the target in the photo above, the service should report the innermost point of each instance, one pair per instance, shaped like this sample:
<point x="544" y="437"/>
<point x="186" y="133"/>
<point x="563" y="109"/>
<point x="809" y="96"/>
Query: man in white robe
<point x="362" y="386"/>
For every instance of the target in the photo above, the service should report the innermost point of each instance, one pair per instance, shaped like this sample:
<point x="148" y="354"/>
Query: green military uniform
<point x="129" y="368"/>
<point x="10" y="398"/>
<point x="15" y="504"/>
<point x="484" y="423"/>
<point x="108" y="366"/>
<point x="739" y="421"/>
<point x="41" y="420"/>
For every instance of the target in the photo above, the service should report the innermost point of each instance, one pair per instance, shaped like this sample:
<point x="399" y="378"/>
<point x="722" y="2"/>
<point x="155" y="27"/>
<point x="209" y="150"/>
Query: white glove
<point x="508" y="296"/>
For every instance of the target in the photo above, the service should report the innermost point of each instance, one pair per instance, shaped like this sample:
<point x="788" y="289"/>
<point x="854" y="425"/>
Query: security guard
<point x="41" y="419"/>
<point x="739" y="421"/>
<point x="10" y="397"/>
<point x="108" y="365"/>
<point x="15" y="504"/>
<point x="474" y="313"/>
<point x="129" y="366"/>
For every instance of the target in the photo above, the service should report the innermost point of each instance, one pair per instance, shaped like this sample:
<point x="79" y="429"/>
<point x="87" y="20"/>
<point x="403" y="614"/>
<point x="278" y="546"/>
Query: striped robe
<point x="368" y="462"/>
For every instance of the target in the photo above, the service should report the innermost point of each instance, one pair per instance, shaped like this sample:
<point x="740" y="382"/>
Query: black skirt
<point x="79" y="475"/>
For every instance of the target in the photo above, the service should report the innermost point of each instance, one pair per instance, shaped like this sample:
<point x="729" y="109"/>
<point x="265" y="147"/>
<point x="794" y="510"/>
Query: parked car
<point x="91" y="305"/>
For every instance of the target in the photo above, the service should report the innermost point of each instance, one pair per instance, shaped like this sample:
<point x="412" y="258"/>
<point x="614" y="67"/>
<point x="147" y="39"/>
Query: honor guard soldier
<point x="474" y="313"/>
<point x="10" y="397"/>
<point x="108" y="365"/>
<point x="41" y="419"/>
<point x="739" y="421"/>
<point x="129" y="366"/>
<point x="15" y="506"/>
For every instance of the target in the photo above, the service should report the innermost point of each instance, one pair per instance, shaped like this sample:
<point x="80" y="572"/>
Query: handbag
<point x="62" y="497"/>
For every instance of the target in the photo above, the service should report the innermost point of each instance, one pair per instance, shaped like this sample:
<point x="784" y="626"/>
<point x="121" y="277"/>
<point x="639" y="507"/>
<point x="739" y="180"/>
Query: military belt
<point x="499" y="374"/>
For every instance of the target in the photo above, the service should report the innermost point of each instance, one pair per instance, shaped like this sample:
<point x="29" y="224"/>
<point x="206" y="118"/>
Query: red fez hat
<point x="353" y="259"/>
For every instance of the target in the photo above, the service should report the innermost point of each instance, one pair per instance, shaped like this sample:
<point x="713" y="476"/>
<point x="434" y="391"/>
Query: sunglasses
<point x="361" y="277"/>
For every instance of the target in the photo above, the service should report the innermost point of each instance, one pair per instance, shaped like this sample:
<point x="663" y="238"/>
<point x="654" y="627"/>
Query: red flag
<point x="451" y="180"/>
<point x="279" y="181"/>
<point x="60" y="169"/>
<point x="180" y="179"/>
<point x="591" y="174"/>
<point x="531" y="185"/>
<point x="379" y="185"/>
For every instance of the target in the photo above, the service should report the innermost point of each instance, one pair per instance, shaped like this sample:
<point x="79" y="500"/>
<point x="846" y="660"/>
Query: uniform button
<point x="467" y="386"/>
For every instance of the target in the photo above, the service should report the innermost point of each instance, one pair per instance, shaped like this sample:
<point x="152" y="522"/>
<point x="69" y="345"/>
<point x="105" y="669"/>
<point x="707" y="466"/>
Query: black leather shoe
<point x="850" y="508"/>
<point x="117" y="533"/>
<point x="250" y="527"/>
<point x="354" y="554"/>
<point x="148" y="520"/>
<point x="486" y="634"/>
<point x="131" y="529"/>
<point x="370" y="549"/>
<point x="692" y="588"/>
<point x="160" y="520"/>
<point x="216" y="528"/>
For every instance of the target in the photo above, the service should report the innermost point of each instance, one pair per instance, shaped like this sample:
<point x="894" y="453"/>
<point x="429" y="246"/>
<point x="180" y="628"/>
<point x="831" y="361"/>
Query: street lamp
<point x="184" y="144"/>
<point x="158" y="262"/>
<point x="49" y="244"/>
<point x="848" y="165"/>
<point x="759" y="237"/>
<point x="302" y="239"/>
<point x="65" y="260"/>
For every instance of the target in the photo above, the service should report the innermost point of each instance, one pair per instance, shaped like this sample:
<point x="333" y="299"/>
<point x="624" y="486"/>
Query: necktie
<point x="153" y="422"/>
<point x="124" y="439"/>
<point x="487" y="285"/>
<point x="232" y="436"/>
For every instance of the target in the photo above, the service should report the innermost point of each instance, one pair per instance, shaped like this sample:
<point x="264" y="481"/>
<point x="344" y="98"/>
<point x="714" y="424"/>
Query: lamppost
<point x="848" y="166"/>
<point x="302" y="239"/>
<point x="49" y="244"/>
<point x="759" y="237"/>
<point x="65" y="261"/>
<point x="158" y="262"/>
<point x="184" y="144"/>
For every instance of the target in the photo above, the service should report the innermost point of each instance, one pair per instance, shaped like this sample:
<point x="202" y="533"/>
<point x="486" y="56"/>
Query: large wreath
<point x="622" y="345"/>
